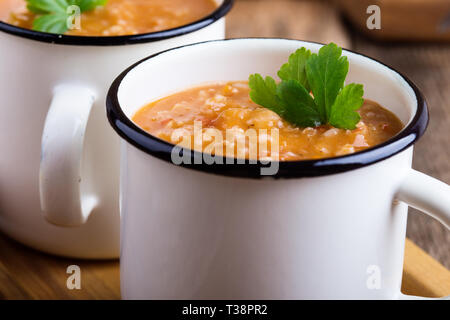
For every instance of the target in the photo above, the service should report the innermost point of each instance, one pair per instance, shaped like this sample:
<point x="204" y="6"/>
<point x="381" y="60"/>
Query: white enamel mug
<point x="320" y="229"/>
<point x="59" y="153"/>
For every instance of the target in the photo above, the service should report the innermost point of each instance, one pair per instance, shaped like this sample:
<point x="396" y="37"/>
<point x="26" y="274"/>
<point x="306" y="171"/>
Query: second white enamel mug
<point x="59" y="154"/>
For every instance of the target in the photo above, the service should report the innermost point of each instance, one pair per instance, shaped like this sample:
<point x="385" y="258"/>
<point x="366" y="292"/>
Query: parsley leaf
<point x="343" y="112"/>
<point x="324" y="74"/>
<point x="51" y="23"/>
<point x="47" y="6"/>
<point x="264" y="93"/>
<point x="295" y="68"/>
<point x="298" y="103"/>
<point x="52" y="15"/>
<point x="88" y="5"/>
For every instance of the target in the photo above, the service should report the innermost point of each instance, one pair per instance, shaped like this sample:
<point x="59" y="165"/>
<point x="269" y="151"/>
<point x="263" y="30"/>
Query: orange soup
<point x="120" y="17"/>
<point x="227" y="107"/>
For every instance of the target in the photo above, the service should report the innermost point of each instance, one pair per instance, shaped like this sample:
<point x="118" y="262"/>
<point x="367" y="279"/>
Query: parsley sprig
<point x="52" y="15"/>
<point x="323" y="74"/>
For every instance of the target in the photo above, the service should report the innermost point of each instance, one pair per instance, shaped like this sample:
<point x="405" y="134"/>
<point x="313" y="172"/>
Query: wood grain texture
<point x="304" y="20"/>
<point x="28" y="274"/>
<point x="422" y="275"/>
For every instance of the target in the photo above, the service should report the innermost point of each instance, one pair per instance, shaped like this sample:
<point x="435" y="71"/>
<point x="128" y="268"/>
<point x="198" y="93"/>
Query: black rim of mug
<point x="219" y="13"/>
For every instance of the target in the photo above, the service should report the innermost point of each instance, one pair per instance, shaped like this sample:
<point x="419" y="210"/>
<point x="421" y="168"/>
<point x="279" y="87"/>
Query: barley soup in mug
<point x="115" y="17"/>
<point x="227" y="107"/>
<point x="236" y="232"/>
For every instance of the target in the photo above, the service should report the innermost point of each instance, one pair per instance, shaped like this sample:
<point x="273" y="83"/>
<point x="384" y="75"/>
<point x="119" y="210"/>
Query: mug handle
<point x="62" y="201"/>
<point x="428" y="195"/>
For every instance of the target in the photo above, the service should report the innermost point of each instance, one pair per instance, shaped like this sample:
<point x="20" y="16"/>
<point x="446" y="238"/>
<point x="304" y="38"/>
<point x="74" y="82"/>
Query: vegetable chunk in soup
<point x="228" y="108"/>
<point x="120" y="17"/>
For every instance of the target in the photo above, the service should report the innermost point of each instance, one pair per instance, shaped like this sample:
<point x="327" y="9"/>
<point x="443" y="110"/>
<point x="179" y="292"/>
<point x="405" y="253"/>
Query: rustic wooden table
<point x="28" y="274"/>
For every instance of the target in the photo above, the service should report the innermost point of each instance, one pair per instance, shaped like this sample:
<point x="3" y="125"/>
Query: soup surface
<point x="227" y="108"/>
<point x="120" y="17"/>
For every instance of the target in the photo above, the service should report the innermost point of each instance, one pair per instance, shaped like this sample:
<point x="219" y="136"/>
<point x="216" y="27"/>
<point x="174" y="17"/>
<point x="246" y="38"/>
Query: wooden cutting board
<point x="28" y="274"/>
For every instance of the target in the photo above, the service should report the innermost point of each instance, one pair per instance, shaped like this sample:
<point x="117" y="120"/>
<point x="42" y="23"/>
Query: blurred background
<point x="414" y="39"/>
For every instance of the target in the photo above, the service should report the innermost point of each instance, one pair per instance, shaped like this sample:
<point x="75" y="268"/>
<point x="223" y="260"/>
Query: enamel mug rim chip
<point x="158" y="148"/>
